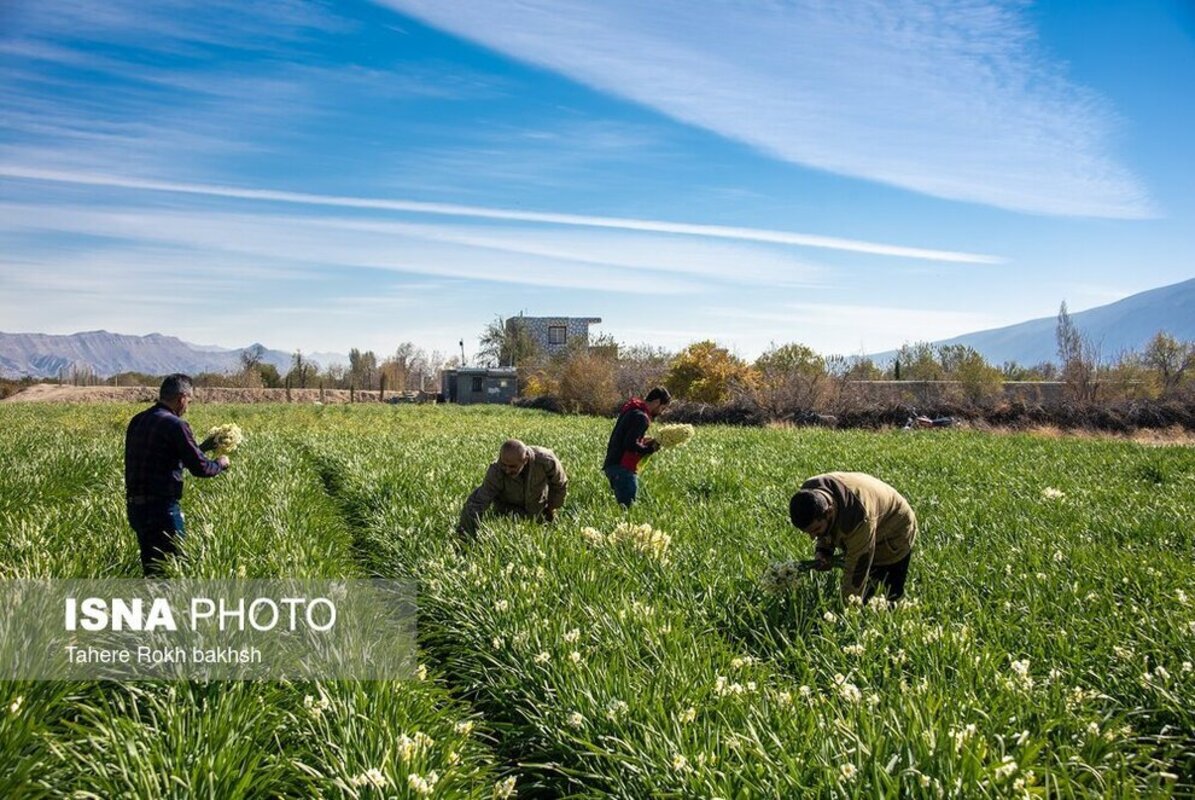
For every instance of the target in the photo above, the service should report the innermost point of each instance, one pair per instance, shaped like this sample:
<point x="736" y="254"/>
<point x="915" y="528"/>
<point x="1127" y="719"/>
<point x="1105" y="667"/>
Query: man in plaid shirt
<point x="158" y="445"/>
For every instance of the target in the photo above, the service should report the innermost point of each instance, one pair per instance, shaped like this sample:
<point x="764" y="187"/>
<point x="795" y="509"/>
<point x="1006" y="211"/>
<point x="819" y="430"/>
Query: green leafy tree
<point x="919" y="362"/>
<point x="706" y="373"/>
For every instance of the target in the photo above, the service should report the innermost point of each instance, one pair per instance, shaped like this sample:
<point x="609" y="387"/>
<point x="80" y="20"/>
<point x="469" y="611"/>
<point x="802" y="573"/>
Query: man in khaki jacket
<point x="525" y="481"/>
<point x="868" y="519"/>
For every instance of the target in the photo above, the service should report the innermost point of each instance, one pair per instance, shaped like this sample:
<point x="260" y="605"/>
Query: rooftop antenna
<point x="464" y="361"/>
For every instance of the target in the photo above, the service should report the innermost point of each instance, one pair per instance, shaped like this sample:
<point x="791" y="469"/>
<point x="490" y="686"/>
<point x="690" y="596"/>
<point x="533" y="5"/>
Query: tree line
<point x="593" y="376"/>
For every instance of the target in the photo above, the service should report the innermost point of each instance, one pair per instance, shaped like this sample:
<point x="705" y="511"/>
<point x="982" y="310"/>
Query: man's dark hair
<point x="174" y="385"/>
<point x="659" y="393"/>
<point x="807" y="506"/>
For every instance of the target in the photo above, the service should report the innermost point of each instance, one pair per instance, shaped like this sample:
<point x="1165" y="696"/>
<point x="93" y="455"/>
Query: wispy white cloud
<point x="952" y="98"/>
<point x="452" y="210"/>
<point x="331" y="245"/>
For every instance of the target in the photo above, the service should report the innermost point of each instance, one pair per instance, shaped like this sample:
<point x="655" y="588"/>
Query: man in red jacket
<point x="629" y="443"/>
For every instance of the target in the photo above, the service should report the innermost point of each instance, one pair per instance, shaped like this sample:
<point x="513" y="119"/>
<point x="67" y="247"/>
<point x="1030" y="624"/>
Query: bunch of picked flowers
<point x="225" y="439"/>
<point x="672" y="435"/>
<point x="644" y="538"/>
<point x="781" y="577"/>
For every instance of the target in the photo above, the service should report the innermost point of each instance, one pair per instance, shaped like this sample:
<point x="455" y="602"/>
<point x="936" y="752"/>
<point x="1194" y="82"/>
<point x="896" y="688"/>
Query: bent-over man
<point x="158" y="445"/>
<point x="867" y="519"/>
<point x="525" y="481"/>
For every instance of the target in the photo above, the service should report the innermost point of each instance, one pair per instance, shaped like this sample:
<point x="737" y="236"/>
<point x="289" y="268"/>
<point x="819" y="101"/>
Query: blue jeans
<point x="624" y="483"/>
<point x="159" y="527"/>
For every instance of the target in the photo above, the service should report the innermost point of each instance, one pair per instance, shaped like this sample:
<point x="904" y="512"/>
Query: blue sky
<point x="847" y="175"/>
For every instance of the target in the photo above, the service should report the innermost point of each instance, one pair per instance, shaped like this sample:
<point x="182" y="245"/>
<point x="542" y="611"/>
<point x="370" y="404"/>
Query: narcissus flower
<point x="371" y="777"/>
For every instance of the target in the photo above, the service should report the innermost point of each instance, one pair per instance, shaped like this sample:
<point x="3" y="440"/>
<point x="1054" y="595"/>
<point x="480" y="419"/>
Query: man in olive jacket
<point x="525" y="481"/>
<point x="865" y="517"/>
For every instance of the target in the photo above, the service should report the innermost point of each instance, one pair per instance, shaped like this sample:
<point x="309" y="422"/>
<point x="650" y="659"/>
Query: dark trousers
<point x="159" y="528"/>
<point x="892" y="576"/>
<point x="624" y="483"/>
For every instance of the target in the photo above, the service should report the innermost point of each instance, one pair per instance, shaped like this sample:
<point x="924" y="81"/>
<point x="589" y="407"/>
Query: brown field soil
<point x="53" y="393"/>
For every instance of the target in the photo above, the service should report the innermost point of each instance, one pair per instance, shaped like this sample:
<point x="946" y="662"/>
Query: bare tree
<point x="507" y="344"/>
<point x="1078" y="357"/>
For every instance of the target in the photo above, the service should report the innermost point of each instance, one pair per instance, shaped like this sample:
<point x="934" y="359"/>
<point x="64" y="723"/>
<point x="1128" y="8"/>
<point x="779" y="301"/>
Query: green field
<point x="1046" y="650"/>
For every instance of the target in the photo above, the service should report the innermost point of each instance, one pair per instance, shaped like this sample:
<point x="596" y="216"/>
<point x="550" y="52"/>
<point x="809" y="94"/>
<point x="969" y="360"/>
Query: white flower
<point x="464" y="727"/>
<point x="1186" y="666"/>
<point x="1160" y="672"/>
<point x="688" y="715"/>
<point x="574" y="657"/>
<point x="572" y="636"/>
<point x="371" y="777"/>
<point x="1050" y="493"/>
<point x="314" y="707"/>
<point x="423" y="785"/>
<point x="680" y="763"/>
<point x="504" y="788"/>
<point x="804" y="691"/>
<point x="421" y="672"/>
<point x="829" y="617"/>
<point x="501" y="605"/>
<point x="853" y="649"/>
<point x="543" y="657"/>
<point x="848" y="771"/>
<point x="616" y="709"/>
<point x="1008" y="767"/>
<point x="576" y="719"/>
<point x="850" y="692"/>
<point x="497" y="642"/>
<point x="962" y="735"/>
<point x="16" y="704"/>
<point x="1093" y="729"/>
<point x="593" y="536"/>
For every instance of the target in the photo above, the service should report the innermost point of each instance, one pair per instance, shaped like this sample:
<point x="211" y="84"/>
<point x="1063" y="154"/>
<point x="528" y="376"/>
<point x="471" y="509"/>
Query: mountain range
<point x="42" y="355"/>
<point x="1127" y="324"/>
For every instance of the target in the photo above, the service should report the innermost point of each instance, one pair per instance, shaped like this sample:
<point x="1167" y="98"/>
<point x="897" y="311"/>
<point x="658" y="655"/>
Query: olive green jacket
<point x="874" y="525"/>
<point x="541" y="485"/>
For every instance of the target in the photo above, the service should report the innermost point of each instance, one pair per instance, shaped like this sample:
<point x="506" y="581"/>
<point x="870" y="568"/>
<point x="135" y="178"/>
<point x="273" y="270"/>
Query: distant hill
<point x="1127" y="324"/>
<point x="42" y="355"/>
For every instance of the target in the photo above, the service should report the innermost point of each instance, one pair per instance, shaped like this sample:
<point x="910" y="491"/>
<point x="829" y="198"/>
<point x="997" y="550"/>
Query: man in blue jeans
<point x="629" y="444"/>
<point x="158" y="445"/>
